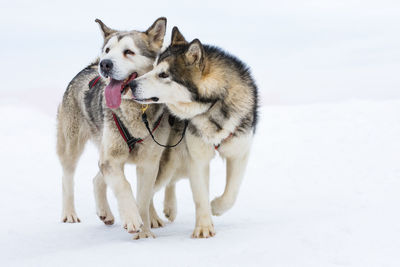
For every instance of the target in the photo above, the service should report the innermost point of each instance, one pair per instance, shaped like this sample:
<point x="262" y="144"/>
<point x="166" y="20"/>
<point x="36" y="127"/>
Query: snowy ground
<point x="323" y="185"/>
<point x="322" y="189"/>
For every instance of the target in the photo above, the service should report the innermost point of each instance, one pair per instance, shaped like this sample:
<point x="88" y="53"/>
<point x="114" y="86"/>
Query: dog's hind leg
<point x="167" y="170"/>
<point x="71" y="140"/>
<point x="155" y="220"/>
<point x="235" y="168"/>
<point x="170" y="207"/>
<point x="100" y="194"/>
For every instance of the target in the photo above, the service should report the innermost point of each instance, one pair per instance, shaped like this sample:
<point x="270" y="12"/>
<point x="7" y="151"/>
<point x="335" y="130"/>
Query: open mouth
<point x="147" y="100"/>
<point x="114" y="90"/>
<point x="127" y="80"/>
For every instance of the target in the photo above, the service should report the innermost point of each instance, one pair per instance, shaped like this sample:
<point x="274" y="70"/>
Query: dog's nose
<point x="106" y="65"/>
<point x="133" y="86"/>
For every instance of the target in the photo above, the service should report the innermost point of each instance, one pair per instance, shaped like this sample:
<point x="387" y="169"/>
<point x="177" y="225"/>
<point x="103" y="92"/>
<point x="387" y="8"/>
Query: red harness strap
<point x="116" y="120"/>
<point x="94" y="81"/>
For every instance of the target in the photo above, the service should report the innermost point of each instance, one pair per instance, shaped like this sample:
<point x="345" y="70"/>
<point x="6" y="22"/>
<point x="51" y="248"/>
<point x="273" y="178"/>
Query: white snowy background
<point x="323" y="182"/>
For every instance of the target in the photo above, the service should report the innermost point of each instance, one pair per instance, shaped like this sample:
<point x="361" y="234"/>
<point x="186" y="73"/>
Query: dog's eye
<point x="107" y="50"/>
<point x="163" y="75"/>
<point x="128" y="52"/>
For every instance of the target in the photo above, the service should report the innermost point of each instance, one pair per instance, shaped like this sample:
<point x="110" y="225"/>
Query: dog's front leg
<point x="113" y="173"/>
<point x="146" y="177"/>
<point x="199" y="183"/>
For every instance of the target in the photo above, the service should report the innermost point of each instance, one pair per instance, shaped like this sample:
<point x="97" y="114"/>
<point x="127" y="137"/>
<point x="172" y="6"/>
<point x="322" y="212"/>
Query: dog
<point x="217" y="94"/>
<point x="92" y="114"/>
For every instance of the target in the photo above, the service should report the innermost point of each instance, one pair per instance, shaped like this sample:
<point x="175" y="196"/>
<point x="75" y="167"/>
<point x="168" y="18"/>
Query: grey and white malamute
<point x="89" y="110"/>
<point x="216" y="93"/>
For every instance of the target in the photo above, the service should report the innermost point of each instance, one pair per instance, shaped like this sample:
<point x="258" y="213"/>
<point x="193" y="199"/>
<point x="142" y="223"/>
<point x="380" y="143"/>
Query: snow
<point x="322" y="186"/>
<point x="321" y="189"/>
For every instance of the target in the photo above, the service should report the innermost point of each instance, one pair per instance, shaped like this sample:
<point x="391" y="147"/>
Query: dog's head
<point x="126" y="55"/>
<point x="176" y="77"/>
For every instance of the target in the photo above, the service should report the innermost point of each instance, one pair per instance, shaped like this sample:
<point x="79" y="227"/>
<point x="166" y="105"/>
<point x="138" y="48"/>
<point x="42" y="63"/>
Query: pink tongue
<point x="113" y="93"/>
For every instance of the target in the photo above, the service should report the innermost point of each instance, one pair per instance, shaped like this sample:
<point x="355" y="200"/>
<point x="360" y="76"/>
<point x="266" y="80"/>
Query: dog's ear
<point x="177" y="37"/>
<point x="106" y="31"/>
<point x="195" y="53"/>
<point x="156" y="32"/>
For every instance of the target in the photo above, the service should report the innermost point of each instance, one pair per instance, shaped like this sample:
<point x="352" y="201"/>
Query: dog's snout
<point x="133" y="86"/>
<point x="106" y="65"/>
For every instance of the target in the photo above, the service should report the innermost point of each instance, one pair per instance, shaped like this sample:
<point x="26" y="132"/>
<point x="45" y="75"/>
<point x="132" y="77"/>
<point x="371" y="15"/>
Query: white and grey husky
<point x="90" y="109"/>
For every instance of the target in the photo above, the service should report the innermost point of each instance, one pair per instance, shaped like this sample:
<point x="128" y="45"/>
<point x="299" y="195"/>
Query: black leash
<point x="129" y="139"/>
<point x="146" y="123"/>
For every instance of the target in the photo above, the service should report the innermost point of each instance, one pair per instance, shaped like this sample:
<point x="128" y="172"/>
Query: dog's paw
<point x="144" y="234"/>
<point x="156" y="221"/>
<point x="132" y="224"/>
<point x="170" y="211"/>
<point x="105" y="214"/>
<point x="70" y="217"/>
<point x="203" y="231"/>
<point x="108" y="219"/>
<point x="220" y="205"/>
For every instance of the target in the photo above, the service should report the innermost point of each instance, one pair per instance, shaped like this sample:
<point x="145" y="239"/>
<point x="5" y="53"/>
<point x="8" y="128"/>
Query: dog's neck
<point x="210" y="88"/>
